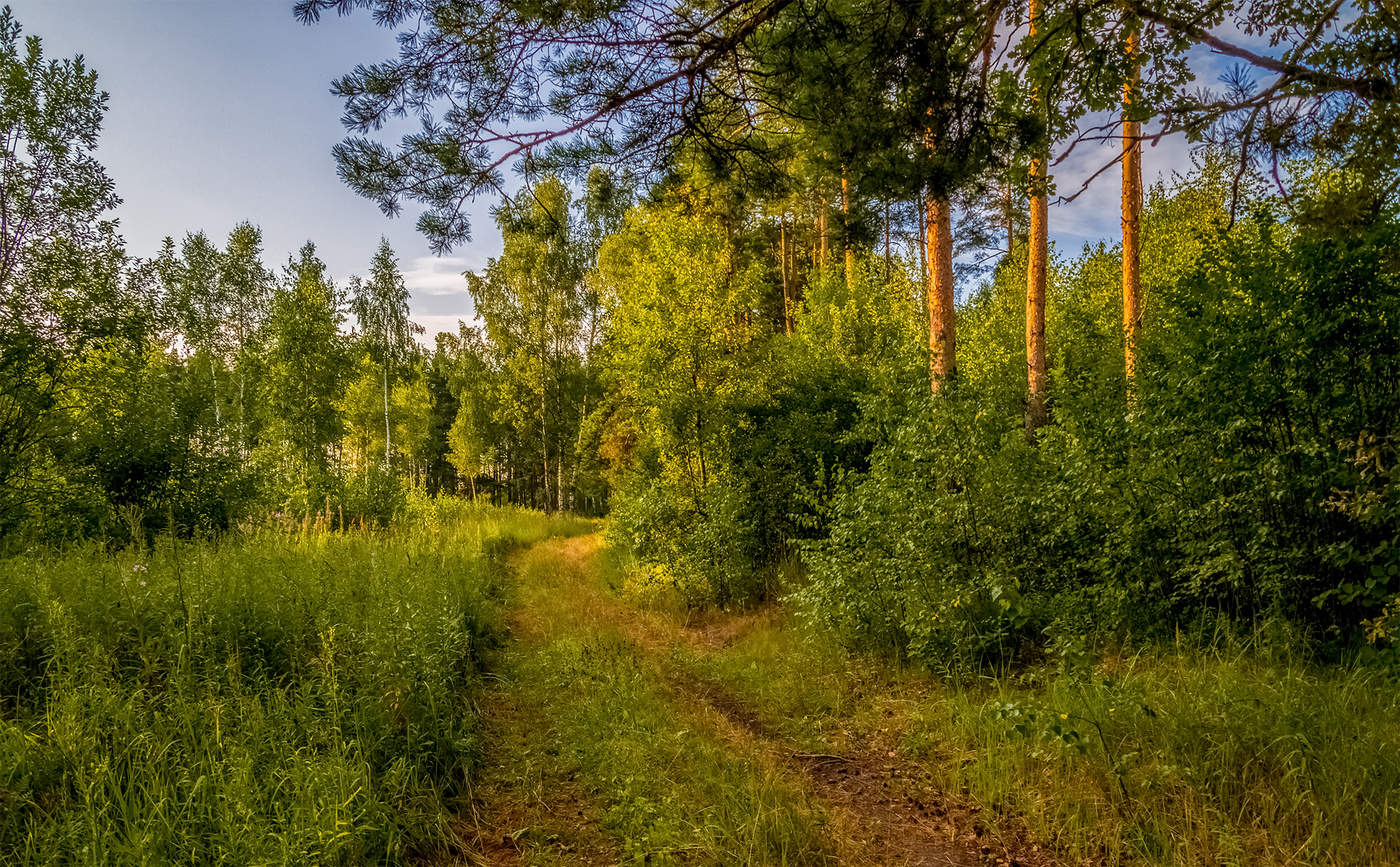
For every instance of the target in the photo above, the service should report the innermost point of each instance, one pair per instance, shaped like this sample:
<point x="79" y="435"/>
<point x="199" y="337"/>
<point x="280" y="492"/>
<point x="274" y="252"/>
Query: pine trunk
<point x="1132" y="214"/>
<point x="1036" y="408"/>
<point x="942" y="317"/>
<point x="846" y="233"/>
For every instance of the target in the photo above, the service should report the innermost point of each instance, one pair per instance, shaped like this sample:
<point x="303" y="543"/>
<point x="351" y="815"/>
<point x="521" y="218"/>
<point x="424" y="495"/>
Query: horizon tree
<point x="305" y="361"/>
<point x="63" y="267"/>
<point x="246" y="284"/>
<point x="380" y="306"/>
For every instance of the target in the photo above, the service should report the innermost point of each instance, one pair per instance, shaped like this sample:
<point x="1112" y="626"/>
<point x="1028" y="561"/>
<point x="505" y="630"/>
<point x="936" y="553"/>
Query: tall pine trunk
<point x="1036" y="408"/>
<point x="1132" y="213"/>
<point x="787" y="282"/>
<point x="942" y="317"/>
<point x="850" y="257"/>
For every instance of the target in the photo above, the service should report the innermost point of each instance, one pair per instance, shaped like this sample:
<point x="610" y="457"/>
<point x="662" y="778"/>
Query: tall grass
<point x="1216" y="749"/>
<point x="285" y="694"/>
<point x="1216" y="752"/>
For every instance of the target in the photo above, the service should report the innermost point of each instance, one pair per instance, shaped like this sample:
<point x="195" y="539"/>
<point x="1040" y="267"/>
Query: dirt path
<point x="537" y="805"/>
<point x="883" y="813"/>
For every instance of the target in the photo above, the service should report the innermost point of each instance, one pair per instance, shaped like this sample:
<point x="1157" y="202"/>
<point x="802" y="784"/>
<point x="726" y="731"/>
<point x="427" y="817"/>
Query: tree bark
<point x="783" y="267"/>
<point x="1036" y="408"/>
<point x="846" y="232"/>
<point x="1132" y="214"/>
<point x="942" y="317"/>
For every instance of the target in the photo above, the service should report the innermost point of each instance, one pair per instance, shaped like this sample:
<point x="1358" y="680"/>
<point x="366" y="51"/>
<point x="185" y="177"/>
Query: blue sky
<point x="221" y="111"/>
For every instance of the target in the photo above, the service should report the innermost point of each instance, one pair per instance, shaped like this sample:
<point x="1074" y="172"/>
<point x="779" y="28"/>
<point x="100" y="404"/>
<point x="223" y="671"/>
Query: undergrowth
<point x="284" y="694"/>
<point x="1213" y="749"/>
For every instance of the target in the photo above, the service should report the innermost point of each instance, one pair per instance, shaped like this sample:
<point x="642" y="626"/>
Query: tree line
<point x="777" y="287"/>
<point x="970" y="443"/>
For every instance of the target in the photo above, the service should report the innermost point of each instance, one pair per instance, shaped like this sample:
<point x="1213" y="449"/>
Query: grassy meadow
<point x="284" y="694"/>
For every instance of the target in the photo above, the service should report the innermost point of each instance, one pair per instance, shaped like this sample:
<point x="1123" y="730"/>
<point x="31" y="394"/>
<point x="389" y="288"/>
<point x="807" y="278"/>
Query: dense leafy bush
<point x="1248" y="474"/>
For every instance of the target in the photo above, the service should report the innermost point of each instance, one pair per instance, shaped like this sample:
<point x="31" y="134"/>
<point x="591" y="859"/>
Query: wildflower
<point x="143" y="582"/>
<point x="1064" y="716"/>
<point x="139" y="567"/>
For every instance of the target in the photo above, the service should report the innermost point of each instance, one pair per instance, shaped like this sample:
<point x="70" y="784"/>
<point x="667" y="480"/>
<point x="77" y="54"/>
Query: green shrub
<point x="1250" y="475"/>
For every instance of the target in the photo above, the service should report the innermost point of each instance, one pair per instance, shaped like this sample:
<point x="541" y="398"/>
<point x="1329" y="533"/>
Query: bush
<point x="1250" y="475"/>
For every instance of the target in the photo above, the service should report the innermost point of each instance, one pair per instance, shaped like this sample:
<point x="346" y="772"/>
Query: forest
<point x="786" y="497"/>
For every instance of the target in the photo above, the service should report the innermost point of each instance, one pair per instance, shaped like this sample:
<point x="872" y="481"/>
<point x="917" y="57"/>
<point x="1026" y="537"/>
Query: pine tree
<point x="1038" y="264"/>
<point x="1132" y="210"/>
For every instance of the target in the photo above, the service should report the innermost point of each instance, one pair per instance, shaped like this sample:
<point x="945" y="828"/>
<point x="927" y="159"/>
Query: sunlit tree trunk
<point x="942" y="317"/>
<point x="846" y="232"/>
<point x="787" y="281"/>
<point x="1132" y="212"/>
<point x="1036" y="411"/>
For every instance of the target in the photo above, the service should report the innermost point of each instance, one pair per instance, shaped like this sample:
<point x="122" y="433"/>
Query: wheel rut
<point x="881" y="808"/>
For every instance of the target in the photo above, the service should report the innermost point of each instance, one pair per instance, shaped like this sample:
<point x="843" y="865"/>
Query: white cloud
<point x="438" y="275"/>
<point x="439" y="292"/>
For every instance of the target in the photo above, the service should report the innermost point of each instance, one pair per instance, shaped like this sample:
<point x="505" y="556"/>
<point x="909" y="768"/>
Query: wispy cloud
<point x="439" y="292"/>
